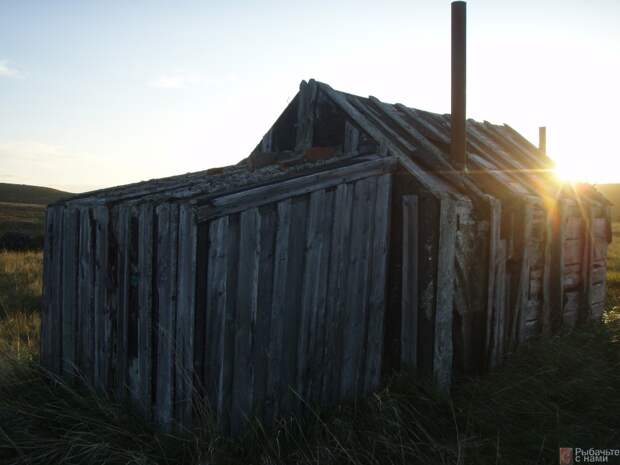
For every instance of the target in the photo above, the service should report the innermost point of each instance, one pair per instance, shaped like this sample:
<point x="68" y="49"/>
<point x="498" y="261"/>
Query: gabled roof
<point x="499" y="157"/>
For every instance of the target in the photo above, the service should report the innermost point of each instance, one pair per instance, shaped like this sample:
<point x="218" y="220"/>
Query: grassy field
<point x="22" y="208"/>
<point x="560" y="392"/>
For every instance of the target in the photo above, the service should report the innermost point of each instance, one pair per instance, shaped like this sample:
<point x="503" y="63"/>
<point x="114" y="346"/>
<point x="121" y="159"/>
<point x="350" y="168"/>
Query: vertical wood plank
<point x="320" y="323"/>
<point x="442" y="359"/>
<point x="215" y="310"/>
<point x="227" y="350"/>
<point x="428" y="215"/>
<point x="520" y="308"/>
<point x="262" y="329"/>
<point x="357" y="285"/>
<point x="409" y="302"/>
<point x="547" y="274"/>
<point x="122" y="276"/>
<point x="278" y="311"/>
<point x="167" y="247"/>
<point x="289" y="400"/>
<point x="85" y="293"/>
<point x="134" y="382"/>
<point x="336" y="292"/>
<point x="494" y="286"/>
<point x="378" y="283"/>
<point x="70" y="248"/>
<point x="245" y="317"/>
<point x="310" y="290"/>
<point x="145" y="308"/>
<point x="184" y="351"/>
<point x="101" y="317"/>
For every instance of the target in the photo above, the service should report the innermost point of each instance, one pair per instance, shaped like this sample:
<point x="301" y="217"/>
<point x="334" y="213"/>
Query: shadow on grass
<point x="557" y="392"/>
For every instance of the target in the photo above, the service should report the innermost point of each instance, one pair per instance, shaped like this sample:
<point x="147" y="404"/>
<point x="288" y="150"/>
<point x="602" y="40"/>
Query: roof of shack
<point x="419" y="138"/>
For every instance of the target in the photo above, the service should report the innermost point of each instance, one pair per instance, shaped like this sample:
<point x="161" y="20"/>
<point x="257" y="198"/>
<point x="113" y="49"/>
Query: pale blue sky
<point x="99" y="93"/>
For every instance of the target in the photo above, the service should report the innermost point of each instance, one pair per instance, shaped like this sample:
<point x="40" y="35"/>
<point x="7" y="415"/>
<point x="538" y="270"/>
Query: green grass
<point x="562" y="391"/>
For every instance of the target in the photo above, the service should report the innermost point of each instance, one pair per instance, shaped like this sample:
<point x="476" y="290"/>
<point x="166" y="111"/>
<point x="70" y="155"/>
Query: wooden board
<point x="409" y="302"/>
<point x="185" y="317"/>
<point x="378" y="284"/>
<point x="166" y="281"/>
<point x="70" y="248"/>
<point x="102" y="324"/>
<point x="245" y="318"/>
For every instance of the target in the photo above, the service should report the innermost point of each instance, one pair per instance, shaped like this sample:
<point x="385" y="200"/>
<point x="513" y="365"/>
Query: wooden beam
<point x="409" y="302"/>
<point x="277" y="191"/>
<point x="442" y="359"/>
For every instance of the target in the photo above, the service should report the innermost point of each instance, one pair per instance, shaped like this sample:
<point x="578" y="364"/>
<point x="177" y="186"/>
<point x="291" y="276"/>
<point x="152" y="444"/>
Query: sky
<point x="102" y="93"/>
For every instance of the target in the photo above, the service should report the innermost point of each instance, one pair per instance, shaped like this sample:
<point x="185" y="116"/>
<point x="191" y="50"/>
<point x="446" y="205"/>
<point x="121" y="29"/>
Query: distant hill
<point x="22" y="214"/>
<point x="612" y="192"/>
<point x="21" y="193"/>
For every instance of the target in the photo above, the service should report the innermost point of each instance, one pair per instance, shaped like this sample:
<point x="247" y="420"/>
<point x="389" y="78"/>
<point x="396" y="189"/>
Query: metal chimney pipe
<point x="458" y="141"/>
<point x="542" y="140"/>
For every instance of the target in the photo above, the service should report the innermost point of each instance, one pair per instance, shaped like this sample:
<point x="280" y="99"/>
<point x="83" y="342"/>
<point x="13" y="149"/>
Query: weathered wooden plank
<point x="336" y="292"/>
<point x="134" y="382"/>
<point x="201" y="401"/>
<point x="597" y="294"/>
<point x="279" y="309"/>
<point x="310" y="292"/>
<point x="573" y="227"/>
<point x="351" y="139"/>
<point x="500" y="313"/>
<point x="442" y="359"/>
<point x="570" y="309"/>
<point x="428" y="215"/>
<point x="599" y="272"/>
<point x="102" y="325"/>
<point x="144" y="395"/>
<point x="122" y="278"/>
<point x="409" y="302"/>
<point x="558" y="266"/>
<point x="227" y="350"/>
<point x="378" y="283"/>
<point x="293" y="187"/>
<point x="262" y="328"/>
<point x="56" y="314"/>
<point x="493" y="285"/>
<point x="573" y="251"/>
<point x="318" y="342"/>
<point x="305" y="115"/>
<point x="215" y="318"/>
<point x="186" y="302"/>
<point x="70" y="250"/>
<point x="289" y="400"/>
<point x="85" y="295"/>
<point x="245" y="318"/>
<point x="354" y="323"/>
<point x="523" y="248"/>
<point x="548" y="270"/>
<point x="167" y="238"/>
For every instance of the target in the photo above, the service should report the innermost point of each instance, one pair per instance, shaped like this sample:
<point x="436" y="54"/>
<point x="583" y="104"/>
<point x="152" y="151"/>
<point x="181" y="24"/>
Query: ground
<point x="560" y="392"/>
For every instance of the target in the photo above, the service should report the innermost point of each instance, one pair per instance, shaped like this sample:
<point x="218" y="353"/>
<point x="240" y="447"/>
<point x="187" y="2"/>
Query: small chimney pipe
<point x="542" y="140"/>
<point x="458" y="141"/>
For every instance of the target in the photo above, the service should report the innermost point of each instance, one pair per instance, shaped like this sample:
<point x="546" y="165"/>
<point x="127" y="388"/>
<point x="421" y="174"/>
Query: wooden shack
<point x="347" y="245"/>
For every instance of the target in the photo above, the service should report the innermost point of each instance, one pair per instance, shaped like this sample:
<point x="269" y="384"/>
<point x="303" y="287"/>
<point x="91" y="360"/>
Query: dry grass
<point x="20" y="302"/>
<point x="562" y="391"/>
